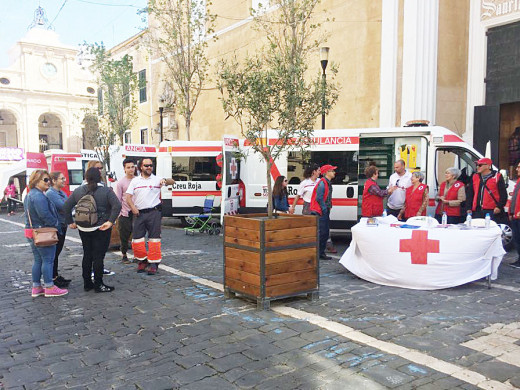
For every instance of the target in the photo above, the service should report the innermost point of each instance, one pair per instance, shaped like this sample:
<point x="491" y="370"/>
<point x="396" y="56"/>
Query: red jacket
<point x="315" y="206"/>
<point x="452" y="194"/>
<point x="514" y="213"/>
<point x="487" y="200"/>
<point x="414" y="200"/>
<point x="372" y="205"/>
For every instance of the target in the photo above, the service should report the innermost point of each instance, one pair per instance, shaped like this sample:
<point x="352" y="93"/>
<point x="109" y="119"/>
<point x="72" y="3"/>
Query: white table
<point x="424" y="258"/>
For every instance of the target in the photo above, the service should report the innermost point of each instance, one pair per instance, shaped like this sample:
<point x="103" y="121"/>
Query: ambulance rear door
<point x="230" y="204"/>
<point x="383" y="149"/>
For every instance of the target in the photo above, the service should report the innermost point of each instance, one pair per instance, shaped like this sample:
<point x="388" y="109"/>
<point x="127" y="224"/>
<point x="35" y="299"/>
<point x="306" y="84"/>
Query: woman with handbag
<point x="96" y="211"/>
<point x="41" y="232"/>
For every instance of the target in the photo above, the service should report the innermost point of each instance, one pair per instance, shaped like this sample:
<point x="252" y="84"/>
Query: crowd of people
<point x="93" y="209"/>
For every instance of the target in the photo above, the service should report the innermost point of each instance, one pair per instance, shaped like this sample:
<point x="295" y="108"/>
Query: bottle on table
<point x="468" y="218"/>
<point x="444" y="218"/>
<point x="488" y="220"/>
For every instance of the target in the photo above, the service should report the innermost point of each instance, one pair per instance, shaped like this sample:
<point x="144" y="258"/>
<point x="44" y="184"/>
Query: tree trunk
<point x="270" y="205"/>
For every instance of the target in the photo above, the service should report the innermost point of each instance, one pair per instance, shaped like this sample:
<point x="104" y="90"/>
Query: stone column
<point x="389" y="48"/>
<point x="420" y="40"/>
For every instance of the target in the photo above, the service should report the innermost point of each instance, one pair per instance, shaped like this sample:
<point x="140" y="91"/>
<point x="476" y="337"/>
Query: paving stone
<point x="25" y="376"/>
<point x="229" y="362"/>
<point x="211" y="383"/>
<point x="250" y="380"/>
<point x="194" y="374"/>
<point x="387" y="377"/>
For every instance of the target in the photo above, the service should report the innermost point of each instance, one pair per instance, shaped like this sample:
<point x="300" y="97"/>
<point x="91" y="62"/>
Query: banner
<point x="11" y="154"/>
<point x="36" y="160"/>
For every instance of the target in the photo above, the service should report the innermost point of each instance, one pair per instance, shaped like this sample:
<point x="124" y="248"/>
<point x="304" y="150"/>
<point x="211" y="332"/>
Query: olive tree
<point x="274" y="89"/>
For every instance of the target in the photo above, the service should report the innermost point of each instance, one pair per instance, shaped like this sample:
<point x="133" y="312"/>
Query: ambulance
<point x="196" y="168"/>
<point x="72" y="165"/>
<point x="429" y="149"/>
<point x="136" y="152"/>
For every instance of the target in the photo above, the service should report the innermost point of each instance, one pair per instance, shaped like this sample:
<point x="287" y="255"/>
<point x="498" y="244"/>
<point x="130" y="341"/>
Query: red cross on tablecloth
<point x="419" y="246"/>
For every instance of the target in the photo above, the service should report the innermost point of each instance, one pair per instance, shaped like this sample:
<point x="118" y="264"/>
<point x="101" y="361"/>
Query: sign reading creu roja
<point x="11" y="154"/>
<point x="490" y="9"/>
<point x="36" y="160"/>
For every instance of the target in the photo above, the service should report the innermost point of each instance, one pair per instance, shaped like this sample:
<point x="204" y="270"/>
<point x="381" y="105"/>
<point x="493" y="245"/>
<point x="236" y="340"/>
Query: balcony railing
<point x="45" y="146"/>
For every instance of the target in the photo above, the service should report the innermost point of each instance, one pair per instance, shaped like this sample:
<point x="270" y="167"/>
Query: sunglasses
<point x="46" y="180"/>
<point x="100" y="168"/>
<point x="481" y="165"/>
<point x="285" y="181"/>
<point x="148" y="165"/>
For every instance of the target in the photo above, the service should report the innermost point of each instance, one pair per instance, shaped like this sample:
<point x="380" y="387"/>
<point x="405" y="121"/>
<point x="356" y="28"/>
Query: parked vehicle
<point x="195" y="168"/>
<point x="427" y="149"/>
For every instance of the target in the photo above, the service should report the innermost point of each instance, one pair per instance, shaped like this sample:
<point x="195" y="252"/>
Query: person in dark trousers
<point x="487" y="192"/>
<point x="514" y="216"/>
<point x="95" y="239"/>
<point x="58" y="198"/>
<point x="10" y="193"/>
<point x="321" y="203"/>
<point x="125" y="220"/>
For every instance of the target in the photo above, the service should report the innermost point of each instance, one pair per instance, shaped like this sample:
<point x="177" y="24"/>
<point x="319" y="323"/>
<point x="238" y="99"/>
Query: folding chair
<point x="202" y="223"/>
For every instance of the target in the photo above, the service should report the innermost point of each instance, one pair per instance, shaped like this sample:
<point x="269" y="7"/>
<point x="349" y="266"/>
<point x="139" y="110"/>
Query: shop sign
<point x="11" y="154"/>
<point x="491" y="9"/>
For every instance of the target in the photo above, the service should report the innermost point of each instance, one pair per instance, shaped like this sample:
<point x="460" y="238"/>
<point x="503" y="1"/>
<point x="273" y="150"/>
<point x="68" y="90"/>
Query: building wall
<point x="353" y="31"/>
<point x="45" y="80"/>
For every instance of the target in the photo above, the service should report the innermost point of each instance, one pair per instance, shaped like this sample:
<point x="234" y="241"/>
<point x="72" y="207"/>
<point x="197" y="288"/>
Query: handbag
<point x="44" y="236"/>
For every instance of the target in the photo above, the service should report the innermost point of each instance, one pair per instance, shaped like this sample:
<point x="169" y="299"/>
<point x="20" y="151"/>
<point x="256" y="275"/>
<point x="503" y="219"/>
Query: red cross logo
<point x="233" y="168"/>
<point x="419" y="246"/>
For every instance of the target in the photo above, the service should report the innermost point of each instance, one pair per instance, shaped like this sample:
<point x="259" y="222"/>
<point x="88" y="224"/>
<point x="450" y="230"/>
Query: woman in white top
<point x="310" y="175"/>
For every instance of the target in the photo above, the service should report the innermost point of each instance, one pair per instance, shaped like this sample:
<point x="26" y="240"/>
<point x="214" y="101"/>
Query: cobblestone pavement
<point x="176" y="329"/>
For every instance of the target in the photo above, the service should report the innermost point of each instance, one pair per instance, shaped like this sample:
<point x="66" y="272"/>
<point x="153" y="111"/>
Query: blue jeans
<point x="515" y="225"/>
<point x="324" y="231"/>
<point x="43" y="264"/>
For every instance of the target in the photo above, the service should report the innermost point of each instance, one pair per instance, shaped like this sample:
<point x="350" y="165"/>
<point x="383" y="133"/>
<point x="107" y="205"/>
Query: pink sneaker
<point x="55" y="291"/>
<point x="37" y="291"/>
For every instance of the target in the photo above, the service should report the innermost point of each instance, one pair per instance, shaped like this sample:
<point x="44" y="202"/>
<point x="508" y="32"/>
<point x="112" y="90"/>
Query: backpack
<point x="86" y="211"/>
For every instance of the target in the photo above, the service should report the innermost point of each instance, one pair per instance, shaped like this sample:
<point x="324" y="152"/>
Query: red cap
<point x="324" y="169"/>
<point x="485" y="161"/>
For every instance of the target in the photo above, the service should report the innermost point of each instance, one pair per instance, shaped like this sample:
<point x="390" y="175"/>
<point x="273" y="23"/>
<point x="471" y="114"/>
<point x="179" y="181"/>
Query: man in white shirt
<point x="144" y="198"/>
<point x="402" y="179"/>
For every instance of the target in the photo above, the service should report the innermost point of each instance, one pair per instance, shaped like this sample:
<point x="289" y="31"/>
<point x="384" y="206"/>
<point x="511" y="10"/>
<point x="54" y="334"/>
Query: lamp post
<point x="161" y="109"/>
<point x="324" y="59"/>
<point x="1" y="120"/>
<point x="44" y="122"/>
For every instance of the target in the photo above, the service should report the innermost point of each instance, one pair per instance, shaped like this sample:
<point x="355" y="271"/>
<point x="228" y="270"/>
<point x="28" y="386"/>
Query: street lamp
<point x="1" y="120"/>
<point x="324" y="57"/>
<point x="44" y="122"/>
<point x="161" y="109"/>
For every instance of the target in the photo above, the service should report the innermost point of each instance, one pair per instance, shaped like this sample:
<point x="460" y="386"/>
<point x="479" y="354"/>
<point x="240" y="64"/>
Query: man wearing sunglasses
<point x="144" y="199"/>
<point x="487" y="192"/>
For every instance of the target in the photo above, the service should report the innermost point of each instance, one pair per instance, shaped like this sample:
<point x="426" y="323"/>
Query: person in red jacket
<point x="487" y="192"/>
<point x="321" y="203"/>
<point x="372" y="204"/>
<point x="417" y="198"/>
<point x="514" y="216"/>
<point x="452" y="194"/>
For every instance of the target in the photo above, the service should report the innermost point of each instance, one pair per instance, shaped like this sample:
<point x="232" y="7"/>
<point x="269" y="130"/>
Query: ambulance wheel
<point x="507" y="236"/>
<point x="184" y="221"/>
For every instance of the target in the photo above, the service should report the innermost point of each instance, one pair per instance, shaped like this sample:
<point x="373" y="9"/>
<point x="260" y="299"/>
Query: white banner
<point x="423" y="259"/>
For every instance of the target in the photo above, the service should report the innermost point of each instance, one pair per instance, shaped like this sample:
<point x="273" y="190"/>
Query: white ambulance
<point x="195" y="167"/>
<point x="72" y="165"/>
<point x="136" y="152"/>
<point x="427" y="149"/>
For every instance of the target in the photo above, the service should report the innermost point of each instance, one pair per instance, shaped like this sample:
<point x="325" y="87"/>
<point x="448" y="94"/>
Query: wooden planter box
<point x="267" y="259"/>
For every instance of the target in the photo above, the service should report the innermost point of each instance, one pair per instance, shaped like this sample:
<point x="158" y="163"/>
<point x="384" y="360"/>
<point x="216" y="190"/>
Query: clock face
<point x="49" y="70"/>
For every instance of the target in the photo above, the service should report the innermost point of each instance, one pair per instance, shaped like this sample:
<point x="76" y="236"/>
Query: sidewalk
<point x="170" y="331"/>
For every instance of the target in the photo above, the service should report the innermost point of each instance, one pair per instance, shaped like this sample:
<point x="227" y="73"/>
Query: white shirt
<point x="146" y="192"/>
<point x="305" y="189"/>
<point x="397" y="198"/>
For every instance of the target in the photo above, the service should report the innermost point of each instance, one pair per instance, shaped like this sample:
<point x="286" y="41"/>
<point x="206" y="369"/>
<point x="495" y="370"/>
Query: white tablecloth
<point x="423" y="259"/>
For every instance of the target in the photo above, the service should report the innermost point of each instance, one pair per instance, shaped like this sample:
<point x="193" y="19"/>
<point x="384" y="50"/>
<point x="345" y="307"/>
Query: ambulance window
<point x="455" y="157"/>
<point x="346" y="161"/>
<point x="75" y="177"/>
<point x="194" y="168"/>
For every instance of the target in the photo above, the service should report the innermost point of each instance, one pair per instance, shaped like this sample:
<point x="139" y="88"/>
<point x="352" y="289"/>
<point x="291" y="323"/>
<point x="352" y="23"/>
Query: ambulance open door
<point x="384" y="150"/>
<point x="231" y="188"/>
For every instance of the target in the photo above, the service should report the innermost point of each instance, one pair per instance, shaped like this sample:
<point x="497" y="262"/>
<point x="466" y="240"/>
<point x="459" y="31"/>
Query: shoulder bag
<point x="44" y="236"/>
